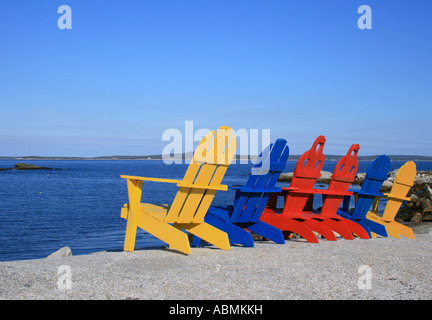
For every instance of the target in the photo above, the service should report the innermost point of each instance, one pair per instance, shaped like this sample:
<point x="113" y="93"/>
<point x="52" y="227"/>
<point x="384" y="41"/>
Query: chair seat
<point x="159" y="211"/>
<point x="222" y="212"/>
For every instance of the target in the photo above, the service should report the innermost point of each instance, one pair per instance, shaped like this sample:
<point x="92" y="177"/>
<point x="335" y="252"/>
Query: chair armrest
<point x="391" y="196"/>
<point x="289" y="189"/>
<point x="257" y="190"/>
<point x="150" y="179"/>
<point x="373" y="194"/>
<point x="324" y="191"/>
<point x="180" y="183"/>
<point x="201" y="186"/>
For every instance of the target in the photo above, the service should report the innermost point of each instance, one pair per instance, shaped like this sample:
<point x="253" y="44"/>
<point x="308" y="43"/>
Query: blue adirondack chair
<point x="375" y="176"/>
<point x="250" y="200"/>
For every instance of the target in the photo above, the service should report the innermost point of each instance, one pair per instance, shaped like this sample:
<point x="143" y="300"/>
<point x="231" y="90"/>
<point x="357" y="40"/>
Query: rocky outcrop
<point x="26" y="166"/>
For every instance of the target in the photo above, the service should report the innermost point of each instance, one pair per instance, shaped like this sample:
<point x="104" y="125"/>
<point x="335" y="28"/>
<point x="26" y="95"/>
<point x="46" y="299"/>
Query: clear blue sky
<point x="128" y="70"/>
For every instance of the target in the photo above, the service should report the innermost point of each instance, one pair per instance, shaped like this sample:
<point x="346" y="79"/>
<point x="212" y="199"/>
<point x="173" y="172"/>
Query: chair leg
<point x="208" y="233"/>
<point x="404" y="230"/>
<point x="267" y="231"/>
<point x="236" y="234"/>
<point x="376" y="227"/>
<point x="317" y="226"/>
<point x="292" y="225"/>
<point x="339" y="228"/>
<point x="196" y="241"/>
<point x="354" y="227"/>
<point x="131" y="228"/>
<point x="289" y="224"/>
<point x="175" y="238"/>
<point x="134" y="193"/>
<point x="392" y="230"/>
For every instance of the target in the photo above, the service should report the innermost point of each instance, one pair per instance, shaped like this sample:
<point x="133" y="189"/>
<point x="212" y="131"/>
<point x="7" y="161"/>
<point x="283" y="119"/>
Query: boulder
<point x="425" y="204"/>
<point x="414" y="198"/>
<point x="392" y="174"/>
<point x="417" y="217"/>
<point x="63" y="252"/>
<point x="386" y="186"/>
<point x="285" y="177"/>
<point x="325" y="177"/>
<point x="359" y="178"/>
<point x="428" y="193"/>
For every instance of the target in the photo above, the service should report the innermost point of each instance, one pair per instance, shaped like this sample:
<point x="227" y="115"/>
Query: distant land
<point x="189" y="156"/>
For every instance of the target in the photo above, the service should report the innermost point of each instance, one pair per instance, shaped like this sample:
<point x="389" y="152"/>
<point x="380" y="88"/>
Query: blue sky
<point x="128" y="70"/>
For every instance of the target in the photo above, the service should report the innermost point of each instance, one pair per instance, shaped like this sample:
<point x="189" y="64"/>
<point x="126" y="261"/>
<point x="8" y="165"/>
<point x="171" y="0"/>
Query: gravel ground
<point x="398" y="268"/>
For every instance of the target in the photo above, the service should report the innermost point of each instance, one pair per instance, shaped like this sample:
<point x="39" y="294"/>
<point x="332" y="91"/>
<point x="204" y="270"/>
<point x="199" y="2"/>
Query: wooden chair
<point x="364" y="199"/>
<point x="404" y="180"/>
<point x="298" y="216"/>
<point x="244" y="216"/>
<point x="189" y="207"/>
<point x="342" y="177"/>
<point x="306" y="172"/>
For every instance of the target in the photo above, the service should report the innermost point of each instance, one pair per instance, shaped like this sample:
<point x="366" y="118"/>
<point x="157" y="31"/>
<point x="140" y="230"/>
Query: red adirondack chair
<point x="297" y="215"/>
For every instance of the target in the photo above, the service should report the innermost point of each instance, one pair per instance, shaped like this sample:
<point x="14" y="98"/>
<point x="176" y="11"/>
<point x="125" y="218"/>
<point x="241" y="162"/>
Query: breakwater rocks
<point x="419" y="209"/>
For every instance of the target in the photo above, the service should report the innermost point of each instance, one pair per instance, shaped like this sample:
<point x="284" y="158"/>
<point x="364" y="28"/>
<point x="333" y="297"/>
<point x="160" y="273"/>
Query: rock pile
<point x="419" y="209"/>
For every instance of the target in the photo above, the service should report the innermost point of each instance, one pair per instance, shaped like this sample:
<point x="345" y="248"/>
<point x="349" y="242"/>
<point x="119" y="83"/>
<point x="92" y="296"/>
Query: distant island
<point x="189" y="155"/>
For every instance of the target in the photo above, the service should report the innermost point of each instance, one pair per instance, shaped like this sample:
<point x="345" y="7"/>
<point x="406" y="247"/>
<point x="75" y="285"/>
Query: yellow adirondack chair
<point x="189" y="207"/>
<point x="404" y="180"/>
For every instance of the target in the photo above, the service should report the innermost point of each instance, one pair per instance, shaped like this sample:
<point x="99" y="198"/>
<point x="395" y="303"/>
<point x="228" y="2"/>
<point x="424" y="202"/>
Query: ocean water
<point x="78" y="204"/>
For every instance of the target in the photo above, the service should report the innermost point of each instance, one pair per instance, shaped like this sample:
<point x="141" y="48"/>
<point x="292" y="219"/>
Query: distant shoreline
<point x="188" y="157"/>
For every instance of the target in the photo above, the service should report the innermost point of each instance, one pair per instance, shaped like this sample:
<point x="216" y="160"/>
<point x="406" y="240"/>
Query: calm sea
<point x="78" y="204"/>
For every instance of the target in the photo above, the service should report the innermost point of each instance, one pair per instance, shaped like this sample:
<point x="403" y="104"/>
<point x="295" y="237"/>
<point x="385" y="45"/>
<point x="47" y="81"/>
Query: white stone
<point x="63" y="252"/>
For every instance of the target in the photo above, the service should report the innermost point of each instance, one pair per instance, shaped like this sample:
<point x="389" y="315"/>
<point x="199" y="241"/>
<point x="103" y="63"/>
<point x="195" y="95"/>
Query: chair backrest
<point x="404" y="180"/>
<point x="306" y="173"/>
<point x="209" y="164"/>
<point x="404" y="177"/>
<point x="342" y="177"/>
<point x="251" y="199"/>
<point x="376" y="174"/>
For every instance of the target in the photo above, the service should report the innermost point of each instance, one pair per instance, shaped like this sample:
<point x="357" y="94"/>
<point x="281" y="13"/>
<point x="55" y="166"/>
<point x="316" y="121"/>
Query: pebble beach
<point x="377" y="269"/>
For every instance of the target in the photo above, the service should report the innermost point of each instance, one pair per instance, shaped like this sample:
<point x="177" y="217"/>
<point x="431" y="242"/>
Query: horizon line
<point x="188" y="154"/>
